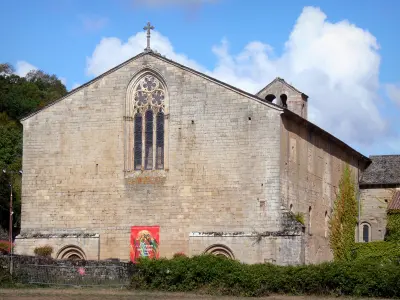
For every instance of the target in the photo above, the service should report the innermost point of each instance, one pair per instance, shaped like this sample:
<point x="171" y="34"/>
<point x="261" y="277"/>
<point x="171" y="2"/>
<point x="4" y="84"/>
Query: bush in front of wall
<point x="220" y="276"/>
<point x="378" y="251"/>
<point x="393" y="226"/>
<point x="5" y="247"/>
<point x="45" y="251"/>
<point x="179" y="254"/>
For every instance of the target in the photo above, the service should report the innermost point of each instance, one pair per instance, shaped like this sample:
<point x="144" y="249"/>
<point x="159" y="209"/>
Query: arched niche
<point x="71" y="252"/>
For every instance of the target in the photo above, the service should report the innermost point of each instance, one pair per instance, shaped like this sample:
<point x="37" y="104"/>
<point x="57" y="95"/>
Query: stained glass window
<point x="148" y="156"/>
<point x="138" y="142"/>
<point x="160" y="141"/>
<point x="149" y="102"/>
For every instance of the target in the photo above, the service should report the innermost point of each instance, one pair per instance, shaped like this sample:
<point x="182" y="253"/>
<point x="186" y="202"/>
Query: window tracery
<point x="149" y="124"/>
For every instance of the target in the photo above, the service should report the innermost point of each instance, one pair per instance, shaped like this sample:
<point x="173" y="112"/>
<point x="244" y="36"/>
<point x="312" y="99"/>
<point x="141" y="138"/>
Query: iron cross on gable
<point x="148" y="27"/>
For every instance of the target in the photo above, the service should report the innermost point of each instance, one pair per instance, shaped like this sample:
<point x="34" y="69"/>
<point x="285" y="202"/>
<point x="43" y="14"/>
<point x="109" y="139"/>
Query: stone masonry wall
<point x="311" y="168"/>
<point x="223" y="172"/>
<point x="88" y="244"/>
<point x="279" y="249"/>
<point x="33" y="269"/>
<point x="374" y="202"/>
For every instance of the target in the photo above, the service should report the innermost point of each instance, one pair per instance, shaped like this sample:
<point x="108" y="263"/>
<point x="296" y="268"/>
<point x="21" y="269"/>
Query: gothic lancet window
<point x="148" y="135"/>
<point x="160" y="141"/>
<point x="138" y="142"/>
<point x="148" y="155"/>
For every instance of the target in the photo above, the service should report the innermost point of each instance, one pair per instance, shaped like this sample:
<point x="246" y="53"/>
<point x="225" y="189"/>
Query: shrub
<point x="393" y="226"/>
<point x="43" y="251"/>
<point x="216" y="275"/>
<point x="179" y="254"/>
<point x="5" y="278"/>
<point x="299" y="217"/>
<point x="5" y="247"/>
<point x="377" y="251"/>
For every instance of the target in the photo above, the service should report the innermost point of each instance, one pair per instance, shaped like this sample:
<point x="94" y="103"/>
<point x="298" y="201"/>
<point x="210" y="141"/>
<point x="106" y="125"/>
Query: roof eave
<point x="299" y="119"/>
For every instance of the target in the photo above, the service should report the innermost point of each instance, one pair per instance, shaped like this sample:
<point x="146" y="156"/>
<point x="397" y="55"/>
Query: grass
<point x="123" y="294"/>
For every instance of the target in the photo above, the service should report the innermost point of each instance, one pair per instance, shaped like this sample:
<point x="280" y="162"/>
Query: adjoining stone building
<point x="379" y="192"/>
<point x="212" y="168"/>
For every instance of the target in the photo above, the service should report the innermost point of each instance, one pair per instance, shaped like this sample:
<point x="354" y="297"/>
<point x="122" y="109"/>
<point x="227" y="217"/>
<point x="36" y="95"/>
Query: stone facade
<point x="311" y="168"/>
<point x="235" y="166"/>
<point x="378" y="186"/>
<point x="222" y="153"/>
<point x="374" y="202"/>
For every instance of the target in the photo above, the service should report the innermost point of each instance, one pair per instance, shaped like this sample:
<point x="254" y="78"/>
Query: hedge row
<point x="221" y="276"/>
<point x="5" y="278"/>
<point x="377" y="251"/>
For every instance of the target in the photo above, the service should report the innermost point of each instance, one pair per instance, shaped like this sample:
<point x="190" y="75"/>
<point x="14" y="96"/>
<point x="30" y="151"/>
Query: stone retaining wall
<point x="42" y="270"/>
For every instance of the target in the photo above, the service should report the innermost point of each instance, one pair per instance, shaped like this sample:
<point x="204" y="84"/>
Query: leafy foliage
<point x="344" y="218"/>
<point x="299" y="217"/>
<point x="43" y="250"/>
<point x="19" y="96"/>
<point x="179" y="254"/>
<point x="5" y="247"/>
<point x="222" y="276"/>
<point x="379" y="251"/>
<point x="393" y="227"/>
<point x="6" y="279"/>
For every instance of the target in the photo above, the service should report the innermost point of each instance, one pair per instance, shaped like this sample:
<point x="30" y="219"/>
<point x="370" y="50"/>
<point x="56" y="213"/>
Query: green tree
<point x="19" y="96"/>
<point x="344" y="218"/>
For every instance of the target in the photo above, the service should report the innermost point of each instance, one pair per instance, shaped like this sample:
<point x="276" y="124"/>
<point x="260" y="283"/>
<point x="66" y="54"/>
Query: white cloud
<point x="23" y="68"/>
<point x="336" y="64"/>
<point x="101" y="60"/>
<point x="393" y="92"/>
<point x="92" y="23"/>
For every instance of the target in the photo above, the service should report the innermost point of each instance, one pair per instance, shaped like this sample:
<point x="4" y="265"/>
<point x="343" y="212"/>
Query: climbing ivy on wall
<point x="393" y="227"/>
<point x="344" y="218"/>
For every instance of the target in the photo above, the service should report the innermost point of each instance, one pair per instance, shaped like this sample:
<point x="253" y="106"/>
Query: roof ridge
<point x="282" y="80"/>
<point x="83" y="86"/>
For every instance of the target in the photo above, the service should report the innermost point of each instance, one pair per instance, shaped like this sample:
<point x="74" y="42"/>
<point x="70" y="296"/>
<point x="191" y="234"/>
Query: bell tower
<point x="282" y="93"/>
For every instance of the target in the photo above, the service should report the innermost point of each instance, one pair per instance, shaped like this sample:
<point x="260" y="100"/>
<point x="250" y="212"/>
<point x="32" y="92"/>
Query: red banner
<point x="145" y="242"/>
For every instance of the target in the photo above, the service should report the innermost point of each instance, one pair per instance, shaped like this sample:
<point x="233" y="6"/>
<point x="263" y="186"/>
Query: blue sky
<point x="350" y="72"/>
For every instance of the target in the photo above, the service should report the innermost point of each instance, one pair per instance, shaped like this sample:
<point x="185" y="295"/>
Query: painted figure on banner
<point x="144" y="242"/>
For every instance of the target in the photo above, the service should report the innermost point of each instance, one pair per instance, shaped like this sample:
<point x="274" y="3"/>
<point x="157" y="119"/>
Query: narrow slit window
<point x="160" y="141"/>
<point x="148" y="160"/>
<point x="326" y="224"/>
<point x="138" y="142"/>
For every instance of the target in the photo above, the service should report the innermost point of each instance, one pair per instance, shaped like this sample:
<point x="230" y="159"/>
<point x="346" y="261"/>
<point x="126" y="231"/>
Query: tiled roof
<point x="384" y="170"/>
<point x="395" y="203"/>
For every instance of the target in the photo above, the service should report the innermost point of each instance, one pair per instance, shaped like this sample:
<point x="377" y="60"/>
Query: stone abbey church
<point x="153" y="158"/>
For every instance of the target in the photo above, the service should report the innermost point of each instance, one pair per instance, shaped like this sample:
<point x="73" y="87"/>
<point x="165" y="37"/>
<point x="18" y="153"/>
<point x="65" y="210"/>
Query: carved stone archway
<point x="71" y="252"/>
<point x="220" y="250"/>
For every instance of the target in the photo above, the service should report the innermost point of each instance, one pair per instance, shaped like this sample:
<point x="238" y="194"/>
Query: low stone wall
<point x="42" y="270"/>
